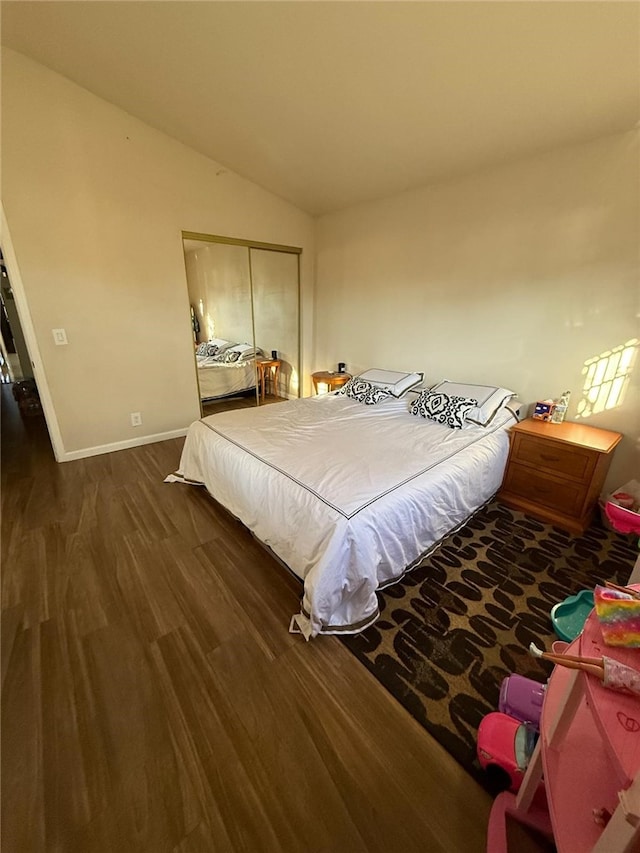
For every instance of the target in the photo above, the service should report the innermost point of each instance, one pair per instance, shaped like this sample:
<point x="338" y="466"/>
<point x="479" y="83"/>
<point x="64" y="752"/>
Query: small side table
<point x="330" y="378"/>
<point x="268" y="369"/>
<point x="555" y="472"/>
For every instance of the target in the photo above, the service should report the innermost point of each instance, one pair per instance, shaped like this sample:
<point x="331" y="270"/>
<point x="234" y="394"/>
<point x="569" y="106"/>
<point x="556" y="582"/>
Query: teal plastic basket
<point x="568" y="616"/>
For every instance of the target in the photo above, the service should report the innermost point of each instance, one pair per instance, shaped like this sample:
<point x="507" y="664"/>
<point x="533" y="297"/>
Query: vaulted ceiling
<point x="328" y="104"/>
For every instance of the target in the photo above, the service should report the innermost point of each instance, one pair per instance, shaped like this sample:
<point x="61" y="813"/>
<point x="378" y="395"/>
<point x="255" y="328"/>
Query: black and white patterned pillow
<point x="442" y="408"/>
<point x="212" y="349"/>
<point x="201" y="349"/>
<point x="230" y="355"/>
<point x="363" y="391"/>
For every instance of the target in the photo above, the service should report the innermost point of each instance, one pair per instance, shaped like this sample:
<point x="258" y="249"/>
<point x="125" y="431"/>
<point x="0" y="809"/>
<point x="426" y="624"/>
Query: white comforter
<point x="347" y="495"/>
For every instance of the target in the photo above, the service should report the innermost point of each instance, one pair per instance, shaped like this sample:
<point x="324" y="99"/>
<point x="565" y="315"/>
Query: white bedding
<point x="346" y="495"/>
<point x="220" y="379"/>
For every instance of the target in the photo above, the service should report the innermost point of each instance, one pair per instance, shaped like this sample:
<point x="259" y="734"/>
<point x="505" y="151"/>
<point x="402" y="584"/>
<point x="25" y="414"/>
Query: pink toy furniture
<point x="589" y="755"/>
<point x="522" y="699"/>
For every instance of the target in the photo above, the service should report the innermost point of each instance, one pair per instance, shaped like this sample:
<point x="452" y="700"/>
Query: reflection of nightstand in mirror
<point x="268" y="370"/>
<point x="329" y="378"/>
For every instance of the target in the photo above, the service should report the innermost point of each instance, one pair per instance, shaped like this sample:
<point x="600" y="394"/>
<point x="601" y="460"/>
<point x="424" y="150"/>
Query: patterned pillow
<point x="363" y="391"/>
<point x="212" y="349"/>
<point x="201" y="349"/>
<point x="491" y="398"/>
<point x="230" y="356"/>
<point x="442" y="408"/>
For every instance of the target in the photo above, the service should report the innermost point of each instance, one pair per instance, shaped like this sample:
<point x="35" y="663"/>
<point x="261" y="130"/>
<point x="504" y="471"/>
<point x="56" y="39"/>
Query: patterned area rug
<point x="461" y="621"/>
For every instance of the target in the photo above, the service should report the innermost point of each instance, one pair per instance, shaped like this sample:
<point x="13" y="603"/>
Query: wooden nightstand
<point x="555" y="472"/>
<point x="329" y="378"/>
<point x="268" y="369"/>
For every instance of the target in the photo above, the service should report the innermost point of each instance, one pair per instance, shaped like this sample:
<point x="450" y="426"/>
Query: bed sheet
<point x="348" y="496"/>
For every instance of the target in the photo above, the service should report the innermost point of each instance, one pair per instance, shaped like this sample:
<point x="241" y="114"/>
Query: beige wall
<point x="514" y="276"/>
<point x="95" y="203"/>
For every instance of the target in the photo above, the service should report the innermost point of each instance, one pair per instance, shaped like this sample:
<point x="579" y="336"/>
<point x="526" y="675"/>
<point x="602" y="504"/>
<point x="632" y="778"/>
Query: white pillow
<point x="220" y="343"/>
<point x="245" y="351"/>
<point x="393" y="381"/>
<point x="491" y="398"/>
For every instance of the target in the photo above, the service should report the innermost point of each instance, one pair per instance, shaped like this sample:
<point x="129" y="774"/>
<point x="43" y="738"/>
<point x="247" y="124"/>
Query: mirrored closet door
<point x="274" y="279"/>
<point x="244" y="300"/>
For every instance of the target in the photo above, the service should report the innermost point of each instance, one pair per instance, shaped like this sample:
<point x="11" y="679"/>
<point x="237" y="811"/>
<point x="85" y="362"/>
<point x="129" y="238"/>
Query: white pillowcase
<point x="220" y="343"/>
<point x="245" y="351"/>
<point x="491" y="398"/>
<point x="394" y="382"/>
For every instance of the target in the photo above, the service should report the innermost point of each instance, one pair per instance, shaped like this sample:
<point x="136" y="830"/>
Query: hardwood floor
<point x="153" y="699"/>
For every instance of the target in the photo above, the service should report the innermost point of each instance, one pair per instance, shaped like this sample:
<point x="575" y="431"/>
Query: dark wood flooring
<point x="153" y="699"/>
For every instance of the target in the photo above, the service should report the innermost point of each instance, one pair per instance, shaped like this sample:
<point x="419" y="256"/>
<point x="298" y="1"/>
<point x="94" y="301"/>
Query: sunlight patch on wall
<point x="606" y="380"/>
<point x="294" y="384"/>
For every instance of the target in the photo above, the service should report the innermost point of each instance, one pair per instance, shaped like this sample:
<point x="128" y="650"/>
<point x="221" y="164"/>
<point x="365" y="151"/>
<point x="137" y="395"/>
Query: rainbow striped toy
<point x="619" y="617"/>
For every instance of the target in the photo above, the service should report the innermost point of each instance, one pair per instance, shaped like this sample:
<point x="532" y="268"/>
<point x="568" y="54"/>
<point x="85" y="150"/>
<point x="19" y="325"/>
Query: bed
<point x="347" y="496"/>
<point x="225" y="369"/>
<point x="217" y="379"/>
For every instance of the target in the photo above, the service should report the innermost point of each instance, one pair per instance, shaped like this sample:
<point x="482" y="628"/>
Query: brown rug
<point x="460" y="622"/>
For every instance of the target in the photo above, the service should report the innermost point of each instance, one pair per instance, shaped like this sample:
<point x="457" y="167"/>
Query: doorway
<point x="16" y="364"/>
<point x="16" y="371"/>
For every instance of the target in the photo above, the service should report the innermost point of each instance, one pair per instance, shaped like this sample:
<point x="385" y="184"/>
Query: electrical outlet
<point x="136" y="419"/>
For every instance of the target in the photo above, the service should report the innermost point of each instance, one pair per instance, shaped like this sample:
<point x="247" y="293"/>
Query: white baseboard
<point x="69" y="456"/>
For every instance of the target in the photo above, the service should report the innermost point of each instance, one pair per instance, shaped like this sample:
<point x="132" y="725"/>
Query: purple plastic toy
<point x="521" y="698"/>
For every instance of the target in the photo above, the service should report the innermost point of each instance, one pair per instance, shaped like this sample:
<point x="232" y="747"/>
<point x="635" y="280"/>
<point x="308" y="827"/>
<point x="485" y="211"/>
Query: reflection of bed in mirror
<point x="225" y="369"/>
<point x="217" y="379"/>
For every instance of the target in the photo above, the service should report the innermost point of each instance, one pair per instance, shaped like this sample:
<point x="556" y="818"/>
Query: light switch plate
<point x="59" y="336"/>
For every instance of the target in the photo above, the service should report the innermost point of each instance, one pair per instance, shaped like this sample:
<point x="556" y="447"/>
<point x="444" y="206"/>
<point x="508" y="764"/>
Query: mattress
<point x="348" y="496"/>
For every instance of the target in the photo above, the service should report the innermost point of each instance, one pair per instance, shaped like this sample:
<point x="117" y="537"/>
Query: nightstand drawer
<point x="560" y="495"/>
<point x="561" y="459"/>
